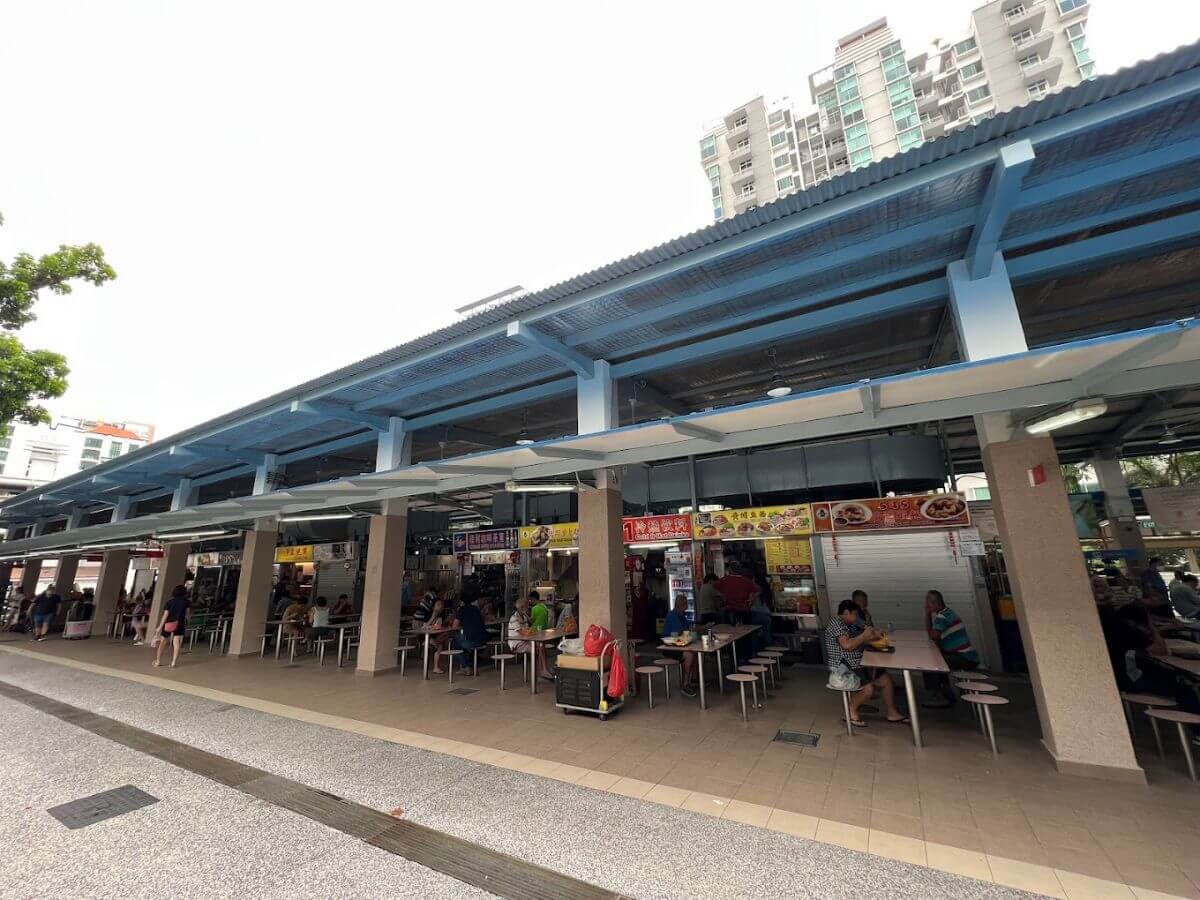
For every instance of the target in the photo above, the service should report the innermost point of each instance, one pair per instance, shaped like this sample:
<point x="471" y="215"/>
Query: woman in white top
<point x="318" y="620"/>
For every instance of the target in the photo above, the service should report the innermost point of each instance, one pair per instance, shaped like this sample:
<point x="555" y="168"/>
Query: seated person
<point x="1185" y="597"/>
<point x="519" y="621"/>
<point x="438" y="619"/>
<point x="540" y="615"/>
<point x="845" y="636"/>
<point x="950" y="634"/>
<point x="141" y="612"/>
<point x="471" y="633"/>
<point x="318" y="620"/>
<point x="677" y="623"/>
<point x="343" y="607"/>
<point x="425" y="608"/>
<point x="296" y="614"/>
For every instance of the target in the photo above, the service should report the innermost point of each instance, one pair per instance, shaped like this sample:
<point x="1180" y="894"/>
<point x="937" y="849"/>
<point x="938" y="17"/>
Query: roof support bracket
<point x="332" y="410"/>
<point x="1003" y="191"/>
<point x="687" y="429"/>
<point x="539" y="340"/>
<point x="869" y="395"/>
<point x="565" y="453"/>
<point x="1095" y="379"/>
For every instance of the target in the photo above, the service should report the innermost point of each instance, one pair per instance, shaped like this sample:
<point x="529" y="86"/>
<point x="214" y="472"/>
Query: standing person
<point x="947" y="630"/>
<point x="45" y="611"/>
<point x="425" y="608"/>
<point x="644" y="622"/>
<point x="844" y="640"/>
<point x="739" y="593"/>
<point x="709" y="602"/>
<point x="471" y="632"/>
<point x="141" y="613"/>
<point x="173" y="625"/>
<point x="1154" y="590"/>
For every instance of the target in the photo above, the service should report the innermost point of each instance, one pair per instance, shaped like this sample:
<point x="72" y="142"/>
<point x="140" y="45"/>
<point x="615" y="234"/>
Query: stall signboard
<point x="760" y="522"/>
<point x="1174" y="509"/>
<point x="492" y="539"/>
<point x="211" y="558"/>
<point x="970" y="542"/>
<point x="648" y="529"/>
<point x="550" y="537"/>
<point x="790" y="556"/>
<point x="229" y="558"/>
<point x="892" y="513"/>
<point x="335" y="552"/>
<point x="302" y="553"/>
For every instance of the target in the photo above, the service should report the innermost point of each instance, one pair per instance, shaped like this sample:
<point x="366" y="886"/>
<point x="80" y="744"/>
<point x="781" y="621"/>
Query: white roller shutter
<point x="896" y="569"/>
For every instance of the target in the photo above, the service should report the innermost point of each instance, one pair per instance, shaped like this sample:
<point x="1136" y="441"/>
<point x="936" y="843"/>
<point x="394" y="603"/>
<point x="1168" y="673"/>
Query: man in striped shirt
<point x="947" y="630"/>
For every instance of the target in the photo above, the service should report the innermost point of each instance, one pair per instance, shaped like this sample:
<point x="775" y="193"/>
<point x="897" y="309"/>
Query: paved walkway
<point x="215" y="842"/>
<point x="1012" y="820"/>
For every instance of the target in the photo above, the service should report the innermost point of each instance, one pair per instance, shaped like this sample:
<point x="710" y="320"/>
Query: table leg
<point x="425" y="659"/>
<point x="341" y="637"/>
<point x="1185" y="740"/>
<point x="278" y="638"/>
<point x="912" y="708"/>
<point x="720" y="674"/>
<point x="733" y="650"/>
<point x="700" y="664"/>
<point x="533" y="676"/>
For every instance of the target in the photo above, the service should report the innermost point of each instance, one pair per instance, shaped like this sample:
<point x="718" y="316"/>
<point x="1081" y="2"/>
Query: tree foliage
<point x="27" y="376"/>
<point x="1168" y="470"/>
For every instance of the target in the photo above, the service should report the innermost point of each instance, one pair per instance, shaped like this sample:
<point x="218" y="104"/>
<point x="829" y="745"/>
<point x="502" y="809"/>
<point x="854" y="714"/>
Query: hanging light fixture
<point x="778" y="387"/>
<point x="1080" y="411"/>
<point x="1170" y="436"/>
<point x="523" y="439"/>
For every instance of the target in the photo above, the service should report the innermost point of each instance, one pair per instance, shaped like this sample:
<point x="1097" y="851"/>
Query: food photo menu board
<point x="757" y="522"/>
<point x="892" y="513"/>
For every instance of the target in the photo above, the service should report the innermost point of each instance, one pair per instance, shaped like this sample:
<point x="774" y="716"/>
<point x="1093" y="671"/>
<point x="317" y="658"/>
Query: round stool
<point x="986" y="702"/>
<point x="977" y="687"/>
<point x="769" y="663"/>
<point x="845" y="708"/>
<point x="403" y="649"/>
<point x="667" y="663"/>
<point x="451" y="664"/>
<point x="776" y="658"/>
<point x="757" y="670"/>
<point x="1182" y="720"/>
<point x="742" y="681"/>
<point x="500" y="659"/>
<point x="650" y="672"/>
<point x="1150" y="701"/>
<point x="969" y="675"/>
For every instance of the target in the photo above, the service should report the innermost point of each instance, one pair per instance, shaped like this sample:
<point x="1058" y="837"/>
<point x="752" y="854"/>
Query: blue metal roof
<point x="869" y="243"/>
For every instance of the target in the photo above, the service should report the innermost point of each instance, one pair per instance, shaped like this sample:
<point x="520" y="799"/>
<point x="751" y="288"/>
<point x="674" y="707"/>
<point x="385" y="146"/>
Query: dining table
<point x="342" y="627"/>
<point x="913" y="651"/>
<point x="428" y="633"/>
<point x="533" y="638"/>
<point x="722" y="636"/>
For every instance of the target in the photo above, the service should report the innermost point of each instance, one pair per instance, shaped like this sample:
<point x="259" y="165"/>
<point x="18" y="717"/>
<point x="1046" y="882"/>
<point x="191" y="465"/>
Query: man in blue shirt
<point x="677" y="622"/>
<point x="472" y="634"/>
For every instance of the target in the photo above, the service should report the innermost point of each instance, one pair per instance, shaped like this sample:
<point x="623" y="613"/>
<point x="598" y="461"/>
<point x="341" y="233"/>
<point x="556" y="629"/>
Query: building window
<point x="779" y="138"/>
<point x="746" y="166"/>
<point x="894" y="68"/>
<point x="857" y="137"/>
<point x="115" y="449"/>
<point x="708" y="147"/>
<point x="90" y="453"/>
<point x="776" y="117"/>
<point x="861" y="157"/>
<point x="909" y="139"/>
<point x="1014" y="11"/>
<point x="905" y="116"/>
<point x="1088" y="71"/>
<point x="1022" y="37"/>
<point x="980" y="93"/>
<point x="782" y="161"/>
<point x="87" y="464"/>
<point x="739" y="122"/>
<point x="900" y="92"/>
<point x="748" y="191"/>
<point x="843" y="71"/>
<point x="784" y="184"/>
<point x="981" y="493"/>
<point x="742" y="144"/>
<point x="1066" y="6"/>
<point x="970" y="70"/>
<point x="852" y="113"/>
<point x="847" y="90"/>
<point x="1030" y="61"/>
<point x="964" y="46"/>
<point x="1038" y="89"/>
<point x="93" y="442"/>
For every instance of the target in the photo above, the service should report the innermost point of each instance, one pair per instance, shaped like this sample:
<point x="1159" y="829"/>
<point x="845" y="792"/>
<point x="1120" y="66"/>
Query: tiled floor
<point x="952" y="806"/>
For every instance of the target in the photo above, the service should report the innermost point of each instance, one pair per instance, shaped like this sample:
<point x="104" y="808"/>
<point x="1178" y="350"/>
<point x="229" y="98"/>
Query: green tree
<point x="28" y="376"/>
<point x="1073" y="476"/>
<point x="1167" y="470"/>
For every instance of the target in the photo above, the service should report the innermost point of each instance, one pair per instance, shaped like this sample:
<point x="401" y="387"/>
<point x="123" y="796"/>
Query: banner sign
<point x="892" y="513"/>
<point x="648" y="529"/>
<point x="493" y="539"/>
<point x="790" y="556"/>
<point x="970" y="543"/>
<point x="549" y="537"/>
<point x="1173" y="509"/>
<point x="215" y="558"/>
<point x="335" y="552"/>
<point x="762" y="522"/>
<point x="299" y="554"/>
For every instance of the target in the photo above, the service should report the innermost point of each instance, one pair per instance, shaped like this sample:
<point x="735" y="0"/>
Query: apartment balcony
<point x="1038" y="42"/>
<point x="733" y="135"/>
<point x="1074" y="15"/>
<point x="933" y="126"/>
<point x="738" y="154"/>
<point x="927" y="100"/>
<point x="1042" y="70"/>
<point x="1029" y="14"/>
<point x="743" y="202"/>
<point x="742" y="177"/>
<point x="922" y="80"/>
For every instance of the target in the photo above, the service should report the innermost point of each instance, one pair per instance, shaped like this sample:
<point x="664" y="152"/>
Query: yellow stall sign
<point x="549" y="537"/>
<point x="300" y="554"/>
<point x="759" y="522"/>
<point x="789" y="556"/>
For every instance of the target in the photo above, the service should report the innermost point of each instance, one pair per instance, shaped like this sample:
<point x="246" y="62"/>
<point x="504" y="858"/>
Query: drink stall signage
<point x="648" y="529"/>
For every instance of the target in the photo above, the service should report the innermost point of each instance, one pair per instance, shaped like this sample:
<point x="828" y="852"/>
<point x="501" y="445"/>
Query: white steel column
<point x="1122" y="528"/>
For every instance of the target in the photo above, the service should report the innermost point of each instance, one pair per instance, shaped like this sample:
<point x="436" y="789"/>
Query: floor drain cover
<point x="98" y="807"/>
<point x="464" y="691"/>
<point x="803" y="738"/>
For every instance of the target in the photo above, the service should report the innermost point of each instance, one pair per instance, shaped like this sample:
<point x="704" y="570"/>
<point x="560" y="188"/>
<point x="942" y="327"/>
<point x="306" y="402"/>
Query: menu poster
<point x="549" y="537"/>
<point x="335" y="552"/>
<point x="761" y="522"/>
<point x="970" y="543"/>
<point x="647" y="529"/>
<point x="789" y="556"/>
<point x="892" y="513"/>
<point x="493" y="539"/>
<point x="1173" y="509"/>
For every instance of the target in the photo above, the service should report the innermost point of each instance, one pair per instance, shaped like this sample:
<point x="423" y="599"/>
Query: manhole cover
<point x="803" y="738"/>
<point x="98" y="807"/>
<point x="464" y="691"/>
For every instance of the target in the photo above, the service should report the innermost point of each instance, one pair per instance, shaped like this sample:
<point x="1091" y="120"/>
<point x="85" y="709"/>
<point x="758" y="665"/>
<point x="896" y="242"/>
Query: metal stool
<point x="769" y="663"/>
<point x="969" y="675"/>
<point x="650" y="672"/>
<point x="757" y="670"/>
<point x="262" y="650"/>
<point x="293" y="640"/>
<point x="977" y="687"/>
<point x="776" y="658"/>
<point x="322" y="643"/>
<point x="500" y="659"/>
<point x="666" y="662"/>
<point x="1182" y="720"/>
<point x="742" y="681"/>
<point x="451" y="664"/>
<point x="403" y="649"/>
<point x="986" y="702"/>
<point x="845" y="708"/>
<point x="1150" y="701"/>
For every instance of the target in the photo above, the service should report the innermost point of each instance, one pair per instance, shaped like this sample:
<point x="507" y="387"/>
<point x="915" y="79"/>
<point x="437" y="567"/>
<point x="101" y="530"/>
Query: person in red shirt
<point x="739" y="593"/>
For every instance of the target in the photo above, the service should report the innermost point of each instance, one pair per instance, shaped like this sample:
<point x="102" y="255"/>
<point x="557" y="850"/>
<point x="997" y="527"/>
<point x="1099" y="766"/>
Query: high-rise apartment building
<point x="31" y="455"/>
<point x="877" y="99"/>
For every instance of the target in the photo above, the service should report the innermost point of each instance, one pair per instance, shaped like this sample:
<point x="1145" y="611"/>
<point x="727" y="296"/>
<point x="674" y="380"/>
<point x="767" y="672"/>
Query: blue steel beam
<point x="418" y="386"/>
<point x="1110" y="168"/>
<point x="506" y="400"/>
<point x="340" y="413"/>
<point x="540" y="341"/>
<point x="1004" y="188"/>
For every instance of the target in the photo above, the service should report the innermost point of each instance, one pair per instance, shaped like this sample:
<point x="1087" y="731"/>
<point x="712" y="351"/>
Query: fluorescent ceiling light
<point x="1080" y="411"/>
<point x="1170" y="436"/>
<point x="778" y="388"/>
<point x="564" y="549"/>
<point x="654" y="545"/>
<point x="561" y="487"/>
<point x="212" y="532"/>
<point x="111" y="545"/>
<point x="317" y="517"/>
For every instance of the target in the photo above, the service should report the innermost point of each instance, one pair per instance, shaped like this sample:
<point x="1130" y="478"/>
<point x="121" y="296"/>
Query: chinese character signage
<point x="647" y="529"/>
<point x="547" y="537"/>
<point x="762" y="522"/>
<point x="890" y="513"/>
<point x="335" y="552"/>
<point x="789" y="556"/>
<point x="300" y="554"/>
<point x="494" y="539"/>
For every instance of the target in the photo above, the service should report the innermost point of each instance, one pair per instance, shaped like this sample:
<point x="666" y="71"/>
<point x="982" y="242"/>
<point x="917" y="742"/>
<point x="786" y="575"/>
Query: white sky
<point x="286" y="187"/>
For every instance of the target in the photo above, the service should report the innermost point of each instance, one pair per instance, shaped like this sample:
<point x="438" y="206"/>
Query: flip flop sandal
<point x="858" y="723"/>
<point x="905" y="720"/>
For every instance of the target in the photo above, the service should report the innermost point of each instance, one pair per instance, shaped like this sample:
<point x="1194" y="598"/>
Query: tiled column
<point x="64" y="575"/>
<point x="381" y="594"/>
<point x="114" y="569"/>
<point x="601" y="559"/>
<point x="254" y="588"/>
<point x="1122" y="529"/>
<point x="30" y="575"/>
<point x="1083" y="726"/>
<point x="172" y="570"/>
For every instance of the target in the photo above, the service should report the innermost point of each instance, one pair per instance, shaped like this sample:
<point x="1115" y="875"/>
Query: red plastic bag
<point x="618" y="678"/>
<point x="595" y="640"/>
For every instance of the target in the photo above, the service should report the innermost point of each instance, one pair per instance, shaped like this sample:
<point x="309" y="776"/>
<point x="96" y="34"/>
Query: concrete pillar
<point x="5" y="578"/>
<point x="30" y="575"/>
<point x="381" y="591"/>
<point x="114" y="568"/>
<point x="601" y="559"/>
<point x="1122" y="529"/>
<point x="64" y="575"/>
<point x="1083" y="726"/>
<point x="253" y="603"/>
<point x="172" y="570"/>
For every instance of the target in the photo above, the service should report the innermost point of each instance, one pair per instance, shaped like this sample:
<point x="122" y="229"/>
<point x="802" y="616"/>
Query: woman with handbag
<point x="173" y="625"/>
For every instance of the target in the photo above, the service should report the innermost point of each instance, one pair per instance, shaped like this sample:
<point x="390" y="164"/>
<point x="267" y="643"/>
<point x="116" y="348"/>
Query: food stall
<point x="550" y="559"/>
<point x="216" y="577"/>
<point x="490" y="557"/>
<point x="645" y="538"/>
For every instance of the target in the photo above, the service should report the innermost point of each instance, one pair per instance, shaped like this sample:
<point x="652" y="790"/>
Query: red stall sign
<point x="649" y="529"/>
